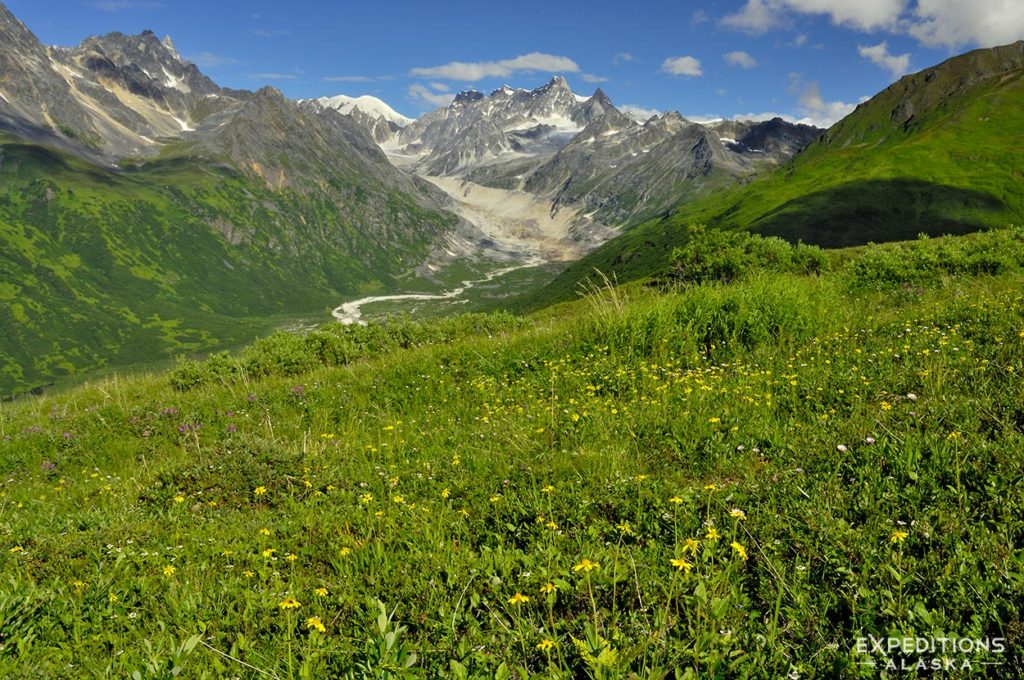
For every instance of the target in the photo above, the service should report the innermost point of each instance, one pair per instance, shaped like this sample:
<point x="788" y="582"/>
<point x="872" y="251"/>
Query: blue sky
<point x="809" y="60"/>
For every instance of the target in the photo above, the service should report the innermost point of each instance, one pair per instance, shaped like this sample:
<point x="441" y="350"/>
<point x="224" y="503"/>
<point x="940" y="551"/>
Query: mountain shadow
<point x="866" y="211"/>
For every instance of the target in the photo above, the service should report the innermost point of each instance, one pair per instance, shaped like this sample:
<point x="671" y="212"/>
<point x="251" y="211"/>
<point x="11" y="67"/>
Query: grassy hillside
<point x="939" y="152"/>
<point x="697" y="479"/>
<point x="101" y="267"/>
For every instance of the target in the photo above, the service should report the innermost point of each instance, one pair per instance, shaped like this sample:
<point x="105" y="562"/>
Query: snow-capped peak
<point x="369" y="105"/>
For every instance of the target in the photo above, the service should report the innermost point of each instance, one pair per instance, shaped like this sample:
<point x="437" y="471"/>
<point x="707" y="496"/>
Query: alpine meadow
<point x="529" y="384"/>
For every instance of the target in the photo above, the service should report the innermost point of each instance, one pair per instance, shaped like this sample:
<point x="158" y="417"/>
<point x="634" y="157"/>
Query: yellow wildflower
<point x="712" y="534"/>
<point x="545" y="644"/>
<point x="898" y="536"/>
<point x="586" y="566"/>
<point x="680" y="564"/>
<point x="179" y="498"/>
<point x="17" y="549"/>
<point x="740" y="550"/>
<point x="691" y="545"/>
<point x="738" y="514"/>
<point x="289" y="603"/>
<point x="518" y="599"/>
<point x="314" y="623"/>
<point x="675" y="500"/>
<point x="321" y="592"/>
<point x="548" y="588"/>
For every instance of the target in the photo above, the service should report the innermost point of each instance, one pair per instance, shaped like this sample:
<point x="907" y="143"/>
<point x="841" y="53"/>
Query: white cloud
<point x="440" y="87"/>
<point x="756" y="17"/>
<point x="861" y="14"/>
<point x="623" y="57"/>
<point x="935" y="23"/>
<point x="470" y="71"/>
<point x="740" y="58"/>
<point x="423" y="94"/>
<point x="953" y="23"/>
<point x="591" y="78"/>
<point x="121" y="5"/>
<point x="896" y="64"/>
<point x="210" y="60"/>
<point x="721" y="92"/>
<point x="760" y="16"/>
<point x="818" y="111"/>
<point x="348" y="79"/>
<point x="273" y="76"/>
<point x="639" y="113"/>
<point x="682" y="66"/>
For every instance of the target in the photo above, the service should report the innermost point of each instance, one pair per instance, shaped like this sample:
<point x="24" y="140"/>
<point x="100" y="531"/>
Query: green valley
<point x="168" y="256"/>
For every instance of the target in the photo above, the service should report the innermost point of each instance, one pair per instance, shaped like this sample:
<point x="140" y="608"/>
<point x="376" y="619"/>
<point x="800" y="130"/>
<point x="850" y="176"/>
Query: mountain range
<point x="146" y="211"/>
<point x="583" y="154"/>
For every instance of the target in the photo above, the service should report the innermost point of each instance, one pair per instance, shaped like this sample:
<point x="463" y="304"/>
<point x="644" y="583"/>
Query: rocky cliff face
<point x="477" y="129"/>
<point x="115" y="94"/>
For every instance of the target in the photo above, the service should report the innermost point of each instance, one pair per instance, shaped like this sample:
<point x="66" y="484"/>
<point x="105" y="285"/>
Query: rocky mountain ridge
<point x="584" y="154"/>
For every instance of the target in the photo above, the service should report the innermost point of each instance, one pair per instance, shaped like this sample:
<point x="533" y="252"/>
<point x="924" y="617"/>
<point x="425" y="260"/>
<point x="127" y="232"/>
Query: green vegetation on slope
<point x="939" y="152"/>
<point x="102" y="267"/>
<point x="718" y="481"/>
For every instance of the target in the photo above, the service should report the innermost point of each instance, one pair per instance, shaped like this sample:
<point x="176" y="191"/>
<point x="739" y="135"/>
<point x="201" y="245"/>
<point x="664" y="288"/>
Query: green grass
<point x="954" y="166"/>
<point x="852" y="439"/>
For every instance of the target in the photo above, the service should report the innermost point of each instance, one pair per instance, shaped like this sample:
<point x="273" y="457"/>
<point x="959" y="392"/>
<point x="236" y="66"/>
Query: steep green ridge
<point x="720" y="481"/>
<point x="108" y="267"/>
<point x="940" y="151"/>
